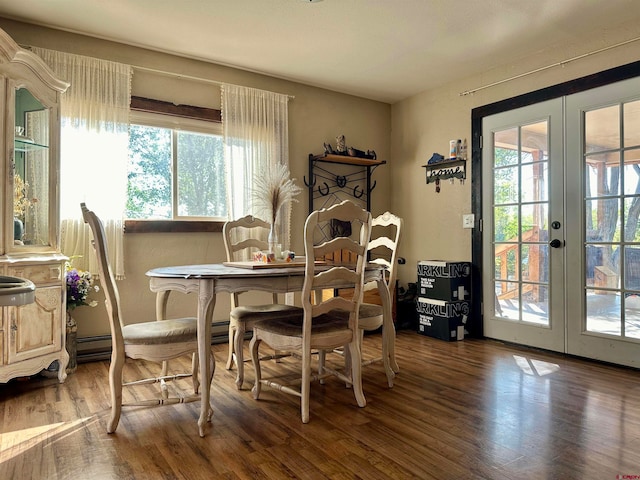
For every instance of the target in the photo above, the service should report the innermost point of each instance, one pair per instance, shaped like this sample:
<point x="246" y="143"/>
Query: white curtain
<point x="93" y="152"/>
<point x="256" y="135"/>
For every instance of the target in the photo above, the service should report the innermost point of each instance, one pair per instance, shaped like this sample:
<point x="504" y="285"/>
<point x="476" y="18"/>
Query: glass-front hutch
<point x="32" y="336"/>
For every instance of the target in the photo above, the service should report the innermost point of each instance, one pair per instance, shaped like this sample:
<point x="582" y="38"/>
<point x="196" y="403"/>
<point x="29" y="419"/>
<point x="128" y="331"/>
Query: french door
<point x="561" y="224"/>
<point x="603" y="155"/>
<point x="523" y="226"/>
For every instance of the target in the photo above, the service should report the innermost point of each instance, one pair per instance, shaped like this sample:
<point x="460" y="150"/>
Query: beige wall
<point x="405" y="134"/>
<point x="425" y="123"/>
<point x="315" y="116"/>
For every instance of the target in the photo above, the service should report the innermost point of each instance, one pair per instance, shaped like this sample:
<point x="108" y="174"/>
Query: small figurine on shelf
<point x="328" y="149"/>
<point x="354" y="152"/>
<point x="342" y="149"/>
<point x="435" y="158"/>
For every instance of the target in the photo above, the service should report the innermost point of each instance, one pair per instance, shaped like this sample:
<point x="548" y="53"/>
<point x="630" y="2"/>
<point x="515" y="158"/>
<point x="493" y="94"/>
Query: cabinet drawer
<point x="38" y="274"/>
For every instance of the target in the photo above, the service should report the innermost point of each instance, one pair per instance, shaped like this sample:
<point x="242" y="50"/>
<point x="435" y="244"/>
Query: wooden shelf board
<point x="346" y="159"/>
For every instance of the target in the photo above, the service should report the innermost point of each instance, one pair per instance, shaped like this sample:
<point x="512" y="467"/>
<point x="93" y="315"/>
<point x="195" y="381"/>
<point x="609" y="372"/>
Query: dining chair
<point x="155" y="341"/>
<point x="242" y="238"/>
<point x="382" y="250"/>
<point x="323" y="324"/>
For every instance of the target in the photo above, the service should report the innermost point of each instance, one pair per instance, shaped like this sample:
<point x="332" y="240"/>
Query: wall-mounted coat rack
<point x="444" y="169"/>
<point x="328" y="186"/>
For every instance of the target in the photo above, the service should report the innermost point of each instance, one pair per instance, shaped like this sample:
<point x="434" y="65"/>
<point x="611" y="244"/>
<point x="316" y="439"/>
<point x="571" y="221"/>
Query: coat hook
<point x="324" y="194"/>
<point x="373" y="186"/>
<point x="341" y="181"/>
<point x="304" y="179"/>
<point x="355" y="192"/>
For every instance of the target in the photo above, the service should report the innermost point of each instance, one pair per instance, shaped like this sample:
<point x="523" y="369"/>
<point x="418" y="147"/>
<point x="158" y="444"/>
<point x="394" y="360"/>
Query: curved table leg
<point x="206" y="303"/>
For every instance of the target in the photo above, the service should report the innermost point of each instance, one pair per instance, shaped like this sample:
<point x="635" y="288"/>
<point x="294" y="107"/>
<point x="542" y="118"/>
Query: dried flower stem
<point x="272" y="189"/>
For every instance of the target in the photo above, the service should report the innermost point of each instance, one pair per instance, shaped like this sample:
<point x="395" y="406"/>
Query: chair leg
<point x="238" y="347"/>
<point x="356" y="372"/>
<point x="232" y="336"/>
<point x="254" y="345"/>
<point x="322" y="355"/>
<point x="392" y="352"/>
<point x="305" y="386"/>
<point x="115" y="385"/>
<point x="388" y="354"/>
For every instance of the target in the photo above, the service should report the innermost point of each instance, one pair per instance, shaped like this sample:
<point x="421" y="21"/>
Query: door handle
<point x="555" y="243"/>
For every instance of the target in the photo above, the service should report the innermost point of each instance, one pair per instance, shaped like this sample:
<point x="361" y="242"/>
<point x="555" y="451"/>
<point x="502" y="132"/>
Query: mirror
<point x="31" y="171"/>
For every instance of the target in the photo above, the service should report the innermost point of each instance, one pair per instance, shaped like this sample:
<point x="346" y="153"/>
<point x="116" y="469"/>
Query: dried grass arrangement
<point x="272" y="189"/>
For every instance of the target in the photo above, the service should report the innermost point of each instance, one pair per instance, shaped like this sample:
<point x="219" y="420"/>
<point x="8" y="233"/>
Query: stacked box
<point x="444" y="291"/>
<point x="443" y="320"/>
<point x="448" y="281"/>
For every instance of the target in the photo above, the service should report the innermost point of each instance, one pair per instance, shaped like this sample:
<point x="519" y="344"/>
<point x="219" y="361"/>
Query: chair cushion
<point x="368" y="310"/>
<point x="162" y="331"/>
<point x="273" y="311"/>
<point x="292" y="326"/>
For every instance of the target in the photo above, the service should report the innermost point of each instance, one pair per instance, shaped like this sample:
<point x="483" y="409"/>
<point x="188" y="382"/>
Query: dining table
<point x="208" y="280"/>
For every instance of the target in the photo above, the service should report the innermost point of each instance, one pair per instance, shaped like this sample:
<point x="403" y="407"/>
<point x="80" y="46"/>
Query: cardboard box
<point x="440" y="280"/>
<point x="443" y="320"/>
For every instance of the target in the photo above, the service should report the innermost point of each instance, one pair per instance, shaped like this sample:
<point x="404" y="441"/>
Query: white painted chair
<point x="242" y="238"/>
<point x="383" y="250"/>
<point x="327" y="324"/>
<point x="156" y="341"/>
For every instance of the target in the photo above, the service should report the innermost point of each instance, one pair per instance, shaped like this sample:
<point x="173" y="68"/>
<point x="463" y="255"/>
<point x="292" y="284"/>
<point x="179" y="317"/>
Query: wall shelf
<point x="446" y="169"/>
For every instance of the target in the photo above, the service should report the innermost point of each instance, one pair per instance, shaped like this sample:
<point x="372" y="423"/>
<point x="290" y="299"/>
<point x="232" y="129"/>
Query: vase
<point x="72" y="343"/>
<point x="18" y="229"/>
<point x="272" y="238"/>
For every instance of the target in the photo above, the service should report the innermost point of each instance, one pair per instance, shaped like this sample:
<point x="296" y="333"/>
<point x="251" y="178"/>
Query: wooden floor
<point x="461" y="410"/>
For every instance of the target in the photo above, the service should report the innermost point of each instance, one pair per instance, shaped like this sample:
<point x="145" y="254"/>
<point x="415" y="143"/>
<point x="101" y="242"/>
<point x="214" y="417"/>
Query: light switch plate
<point x="468" y="220"/>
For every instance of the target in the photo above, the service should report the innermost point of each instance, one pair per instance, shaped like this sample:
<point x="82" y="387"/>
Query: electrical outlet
<point x="468" y="220"/>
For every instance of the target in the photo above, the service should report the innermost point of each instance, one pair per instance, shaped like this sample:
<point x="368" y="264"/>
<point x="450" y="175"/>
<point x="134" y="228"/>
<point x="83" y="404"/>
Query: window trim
<point x="192" y="115"/>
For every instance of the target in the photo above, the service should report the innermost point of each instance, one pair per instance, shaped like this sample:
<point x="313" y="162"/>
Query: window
<point x="176" y="167"/>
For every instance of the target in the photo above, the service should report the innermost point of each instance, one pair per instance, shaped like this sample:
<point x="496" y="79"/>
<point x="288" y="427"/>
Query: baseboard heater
<point x="98" y="347"/>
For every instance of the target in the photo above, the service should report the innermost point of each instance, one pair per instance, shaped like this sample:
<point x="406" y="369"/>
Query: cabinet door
<point x="36" y="328"/>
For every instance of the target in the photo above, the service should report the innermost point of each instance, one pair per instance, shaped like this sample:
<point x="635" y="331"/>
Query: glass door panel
<point x="612" y="208"/>
<point x="31" y="171"/>
<point x="520" y="223"/>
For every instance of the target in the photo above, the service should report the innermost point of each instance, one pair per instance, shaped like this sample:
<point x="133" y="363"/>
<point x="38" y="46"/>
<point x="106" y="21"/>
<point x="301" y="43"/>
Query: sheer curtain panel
<point x="93" y="152"/>
<point x="256" y="136"/>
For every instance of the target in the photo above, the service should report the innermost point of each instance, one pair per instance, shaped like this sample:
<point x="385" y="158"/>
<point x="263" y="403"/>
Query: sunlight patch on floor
<point x="535" y="367"/>
<point x="18" y="442"/>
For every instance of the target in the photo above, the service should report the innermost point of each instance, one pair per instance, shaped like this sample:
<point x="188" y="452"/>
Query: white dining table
<point x="207" y="280"/>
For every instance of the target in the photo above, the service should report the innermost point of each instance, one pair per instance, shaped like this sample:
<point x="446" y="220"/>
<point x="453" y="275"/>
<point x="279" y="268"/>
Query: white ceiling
<point x="385" y="50"/>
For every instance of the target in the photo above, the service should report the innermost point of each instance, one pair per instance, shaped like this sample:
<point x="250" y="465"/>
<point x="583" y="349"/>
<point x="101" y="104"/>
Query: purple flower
<point x="79" y="285"/>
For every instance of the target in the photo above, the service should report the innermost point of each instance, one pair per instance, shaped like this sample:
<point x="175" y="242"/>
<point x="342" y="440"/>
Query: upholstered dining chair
<point x="242" y="238"/>
<point x="155" y="341"/>
<point x="324" y="324"/>
<point x="382" y="250"/>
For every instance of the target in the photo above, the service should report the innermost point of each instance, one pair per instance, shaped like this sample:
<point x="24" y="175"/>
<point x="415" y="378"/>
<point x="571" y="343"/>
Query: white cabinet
<point x="31" y="336"/>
